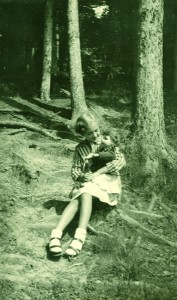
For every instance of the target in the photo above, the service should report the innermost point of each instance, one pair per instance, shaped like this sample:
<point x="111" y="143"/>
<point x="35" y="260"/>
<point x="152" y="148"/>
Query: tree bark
<point x="150" y="128"/>
<point x="47" y="52"/>
<point x="78" y="102"/>
<point x="175" y="60"/>
<point x="55" y="64"/>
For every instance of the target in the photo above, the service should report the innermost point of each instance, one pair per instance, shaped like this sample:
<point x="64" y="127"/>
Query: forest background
<point x="119" y="60"/>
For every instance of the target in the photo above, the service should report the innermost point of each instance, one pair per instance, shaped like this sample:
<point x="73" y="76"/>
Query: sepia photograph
<point x="88" y="151"/>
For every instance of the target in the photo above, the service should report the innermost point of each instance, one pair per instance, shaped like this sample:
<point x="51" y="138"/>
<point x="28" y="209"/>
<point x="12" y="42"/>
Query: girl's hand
<point x="98" y="140"/>
<point x="87" y="177"/>
<point x="121" y="163"/>
<point x="91" y="155"/>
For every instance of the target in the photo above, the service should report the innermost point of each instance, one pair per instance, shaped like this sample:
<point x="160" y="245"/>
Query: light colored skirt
<point x="105" y="187"/>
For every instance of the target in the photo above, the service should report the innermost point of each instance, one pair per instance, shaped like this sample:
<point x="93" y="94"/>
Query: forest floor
<point x="134" y="253"/>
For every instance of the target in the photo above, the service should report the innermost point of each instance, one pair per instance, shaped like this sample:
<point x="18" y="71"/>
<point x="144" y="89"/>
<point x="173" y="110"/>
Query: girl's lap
<point x="107" y="193"/>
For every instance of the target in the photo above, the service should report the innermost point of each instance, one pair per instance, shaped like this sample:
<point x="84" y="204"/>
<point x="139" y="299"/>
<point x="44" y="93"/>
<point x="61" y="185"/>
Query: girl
<point x="106" y="152"/>
<point x="104" y="184"/>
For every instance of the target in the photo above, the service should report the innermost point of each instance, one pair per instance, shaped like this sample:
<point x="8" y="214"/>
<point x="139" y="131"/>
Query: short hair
<point x="114" y="136"/>
<point x="84" y="122"/>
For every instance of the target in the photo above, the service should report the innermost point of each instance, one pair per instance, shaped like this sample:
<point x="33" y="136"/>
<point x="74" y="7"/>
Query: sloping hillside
<point x="133" y="254"/>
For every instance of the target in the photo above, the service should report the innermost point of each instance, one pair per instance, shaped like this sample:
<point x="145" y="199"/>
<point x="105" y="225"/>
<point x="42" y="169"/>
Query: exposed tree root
<point x="151" y="234"/>
<point x="34" y="108"/>
<point x="98" y="232"/>
<point x="153" y="202"/>
<point x="28" y="126"/>
<point x="145" y="213"/>
<point x="170" y="156"/>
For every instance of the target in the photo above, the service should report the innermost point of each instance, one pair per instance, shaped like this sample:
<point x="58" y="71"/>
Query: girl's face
<point x="93" y="133"/>
<point x="107" y="141"/>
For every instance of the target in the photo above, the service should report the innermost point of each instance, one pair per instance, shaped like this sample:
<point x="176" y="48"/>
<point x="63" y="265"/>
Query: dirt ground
<point x="132" y="256"/>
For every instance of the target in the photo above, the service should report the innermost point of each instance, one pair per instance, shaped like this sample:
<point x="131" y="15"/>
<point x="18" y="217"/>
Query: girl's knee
<point x="85" y="197"/>
<point x="75" y="203"/>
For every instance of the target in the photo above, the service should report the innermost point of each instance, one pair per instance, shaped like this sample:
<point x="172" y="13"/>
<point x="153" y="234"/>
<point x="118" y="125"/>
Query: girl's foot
<point x="77" y="243"/>
<point x="54" y="243"/>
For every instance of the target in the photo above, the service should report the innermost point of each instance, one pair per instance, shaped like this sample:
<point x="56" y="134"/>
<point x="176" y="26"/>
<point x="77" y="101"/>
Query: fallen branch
<point x="28" y="126"/>
<point x="136" y="224"/>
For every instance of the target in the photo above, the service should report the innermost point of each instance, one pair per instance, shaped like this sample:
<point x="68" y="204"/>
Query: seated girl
<point x="103" y="183"/>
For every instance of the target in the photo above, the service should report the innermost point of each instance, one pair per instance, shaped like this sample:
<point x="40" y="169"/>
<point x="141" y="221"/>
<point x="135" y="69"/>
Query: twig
<point x="98" y="232"/>
<point x="92" y="229"/>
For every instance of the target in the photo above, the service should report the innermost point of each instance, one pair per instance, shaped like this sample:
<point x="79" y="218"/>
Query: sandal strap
<point x="74" y="249"/>
<point x="76" y="239"/>
<point x="54" y="246"/>
<point x="53" y="238"/>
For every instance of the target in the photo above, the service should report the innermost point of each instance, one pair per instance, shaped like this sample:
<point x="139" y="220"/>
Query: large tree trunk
<point x="175" y="59"/>
<point x="76" y="80"/>
<point x="150" y="128"/>
<point x="47" y="52"/>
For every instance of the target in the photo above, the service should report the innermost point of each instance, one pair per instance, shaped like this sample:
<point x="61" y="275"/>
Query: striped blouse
<point x="83" y="149"/>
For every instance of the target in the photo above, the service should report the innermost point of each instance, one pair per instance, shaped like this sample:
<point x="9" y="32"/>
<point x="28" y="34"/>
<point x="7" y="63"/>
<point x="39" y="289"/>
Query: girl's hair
<point x="84" y="123"/>
<point x="114" y="137"/>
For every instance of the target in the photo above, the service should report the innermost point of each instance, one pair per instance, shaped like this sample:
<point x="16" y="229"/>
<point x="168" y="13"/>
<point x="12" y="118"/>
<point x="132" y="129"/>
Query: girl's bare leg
<point x="56" y="234"/>
<point x="68" y="214"/>
<point x="80" y="234"/>
<point x="85" y="210"/>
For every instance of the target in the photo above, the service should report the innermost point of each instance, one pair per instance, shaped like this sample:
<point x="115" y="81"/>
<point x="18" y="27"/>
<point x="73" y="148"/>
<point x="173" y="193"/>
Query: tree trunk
<point x="47" y="52"/>
<point x="175" y="60"/>
<point x="150" y="129"/>
<point x="78" y="102"/>
<point x="55" y="64"/>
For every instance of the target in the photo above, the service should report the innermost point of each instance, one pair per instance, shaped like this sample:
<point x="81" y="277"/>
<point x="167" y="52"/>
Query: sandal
<point x="54" y="243"/>
<point x="77" y="243"/>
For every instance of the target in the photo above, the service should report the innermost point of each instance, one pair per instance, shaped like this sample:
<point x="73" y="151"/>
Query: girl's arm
<point x="76" y="169"/>
<point x="91" y="176"/>
<point x="101" y="171"/>
<point x="117" y="164"/>
<point x="113" y="167"/>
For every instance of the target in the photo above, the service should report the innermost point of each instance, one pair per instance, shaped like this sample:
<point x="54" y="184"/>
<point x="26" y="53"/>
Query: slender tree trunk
<point x="56" y="42"/>
<point x="150" y="128"/>
<point x="47" y="52"/>
<point x="78" y="102"/>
